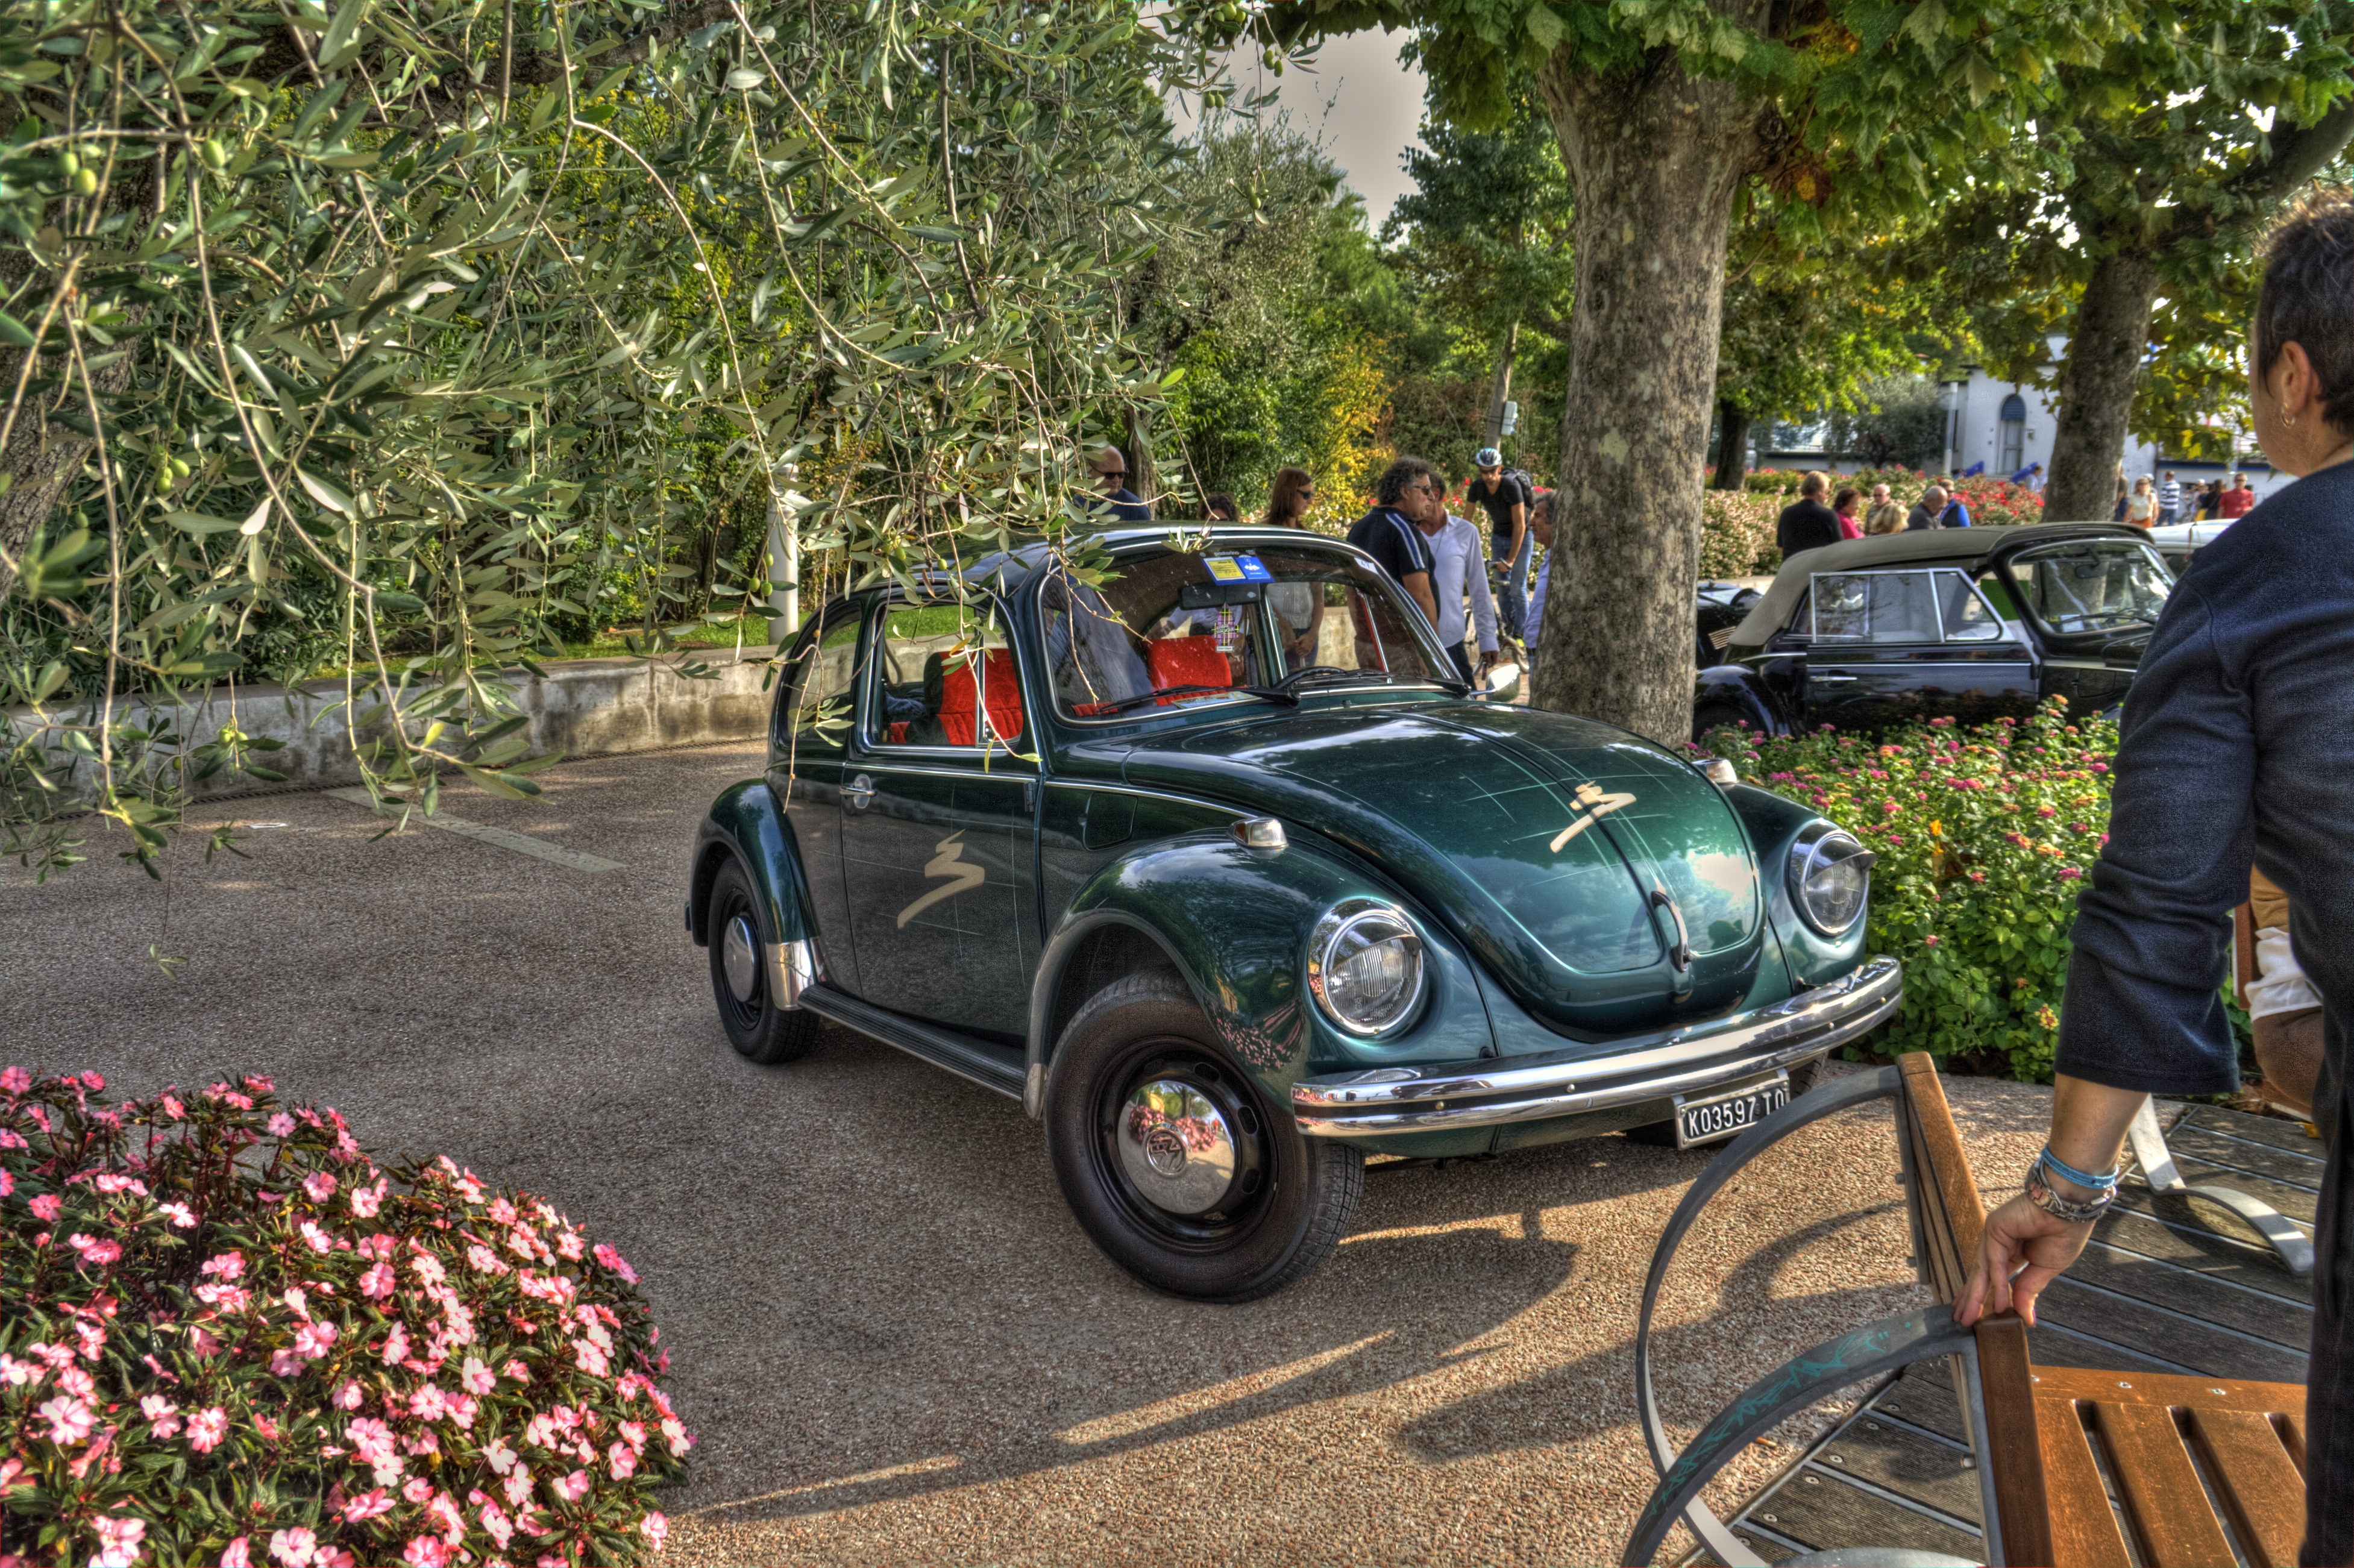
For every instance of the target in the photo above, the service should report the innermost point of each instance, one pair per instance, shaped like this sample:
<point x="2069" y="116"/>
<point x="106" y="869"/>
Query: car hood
<point x="1539" y="837"/>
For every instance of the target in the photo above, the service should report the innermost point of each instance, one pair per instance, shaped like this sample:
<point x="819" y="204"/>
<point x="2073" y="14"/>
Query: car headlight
<point x="1831" y="875"/>
<point x="1365" y="966"/>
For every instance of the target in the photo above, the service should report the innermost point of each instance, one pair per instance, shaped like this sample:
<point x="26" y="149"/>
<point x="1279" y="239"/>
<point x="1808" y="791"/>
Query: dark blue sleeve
<point x="2153" y="930"/>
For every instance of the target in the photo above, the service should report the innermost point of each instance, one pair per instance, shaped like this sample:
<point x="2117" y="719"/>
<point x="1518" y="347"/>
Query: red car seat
<point x="1188" y="662"/>
<point x="960" y="692"/>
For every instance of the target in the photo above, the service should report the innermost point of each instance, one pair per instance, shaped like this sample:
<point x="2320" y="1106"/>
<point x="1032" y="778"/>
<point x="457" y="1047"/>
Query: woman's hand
<point x="2018" y="1234"/>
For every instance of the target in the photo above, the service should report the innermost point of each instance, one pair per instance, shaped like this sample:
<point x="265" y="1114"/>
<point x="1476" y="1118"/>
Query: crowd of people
<point x="2153" y="502"/>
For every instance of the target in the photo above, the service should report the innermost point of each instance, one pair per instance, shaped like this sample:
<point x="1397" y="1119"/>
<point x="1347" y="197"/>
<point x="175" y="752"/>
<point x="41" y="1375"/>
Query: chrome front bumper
<point x="1450" y="1095"/>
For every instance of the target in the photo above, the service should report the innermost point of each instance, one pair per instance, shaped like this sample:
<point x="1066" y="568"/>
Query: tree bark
<point x="1655" y="160"/>
<point x="2096" y="386"/>
<point x="1500" y="392"/>
<point x="1143" y="478"/>
<point x="1731" y="445"/>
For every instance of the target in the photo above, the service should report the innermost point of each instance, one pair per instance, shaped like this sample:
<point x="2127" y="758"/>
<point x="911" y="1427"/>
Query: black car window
<point x="1198" y="624"/>
<point x="944" y="677"/>
<point x="1875" y="607"/>
<point x="1965" y="616"/>
<point x="813" y="707"/>
<point x="2092" y="585"/>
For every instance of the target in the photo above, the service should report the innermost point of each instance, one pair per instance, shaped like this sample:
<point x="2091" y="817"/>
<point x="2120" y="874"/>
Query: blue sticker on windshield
<point x="1250" y="570"/>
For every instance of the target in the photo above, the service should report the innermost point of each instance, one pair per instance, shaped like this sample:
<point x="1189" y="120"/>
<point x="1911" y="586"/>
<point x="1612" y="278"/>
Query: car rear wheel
<point x="759" y="1029"/>
<point x="1174" y="1163"/>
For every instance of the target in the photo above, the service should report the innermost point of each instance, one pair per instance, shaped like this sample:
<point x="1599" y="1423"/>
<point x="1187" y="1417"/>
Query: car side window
<point x="945" y="677"/>
<point x="1875" y="607"/>
<point x="1964" y="614"/>
<point x="813" y="709"/>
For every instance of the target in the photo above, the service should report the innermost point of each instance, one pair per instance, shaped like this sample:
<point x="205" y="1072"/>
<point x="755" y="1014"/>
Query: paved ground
<point x="896" y="1344"/>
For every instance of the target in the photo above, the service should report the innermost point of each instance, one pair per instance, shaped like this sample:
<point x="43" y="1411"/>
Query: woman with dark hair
<point x="1843" y="506"/>
<point x="2238" y="746"/>
<point x="1289" y="501"/>
<point x="1221" y="507"/>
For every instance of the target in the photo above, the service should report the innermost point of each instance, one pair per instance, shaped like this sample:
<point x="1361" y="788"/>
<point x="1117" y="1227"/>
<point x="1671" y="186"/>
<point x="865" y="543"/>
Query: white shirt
<point x="1461" y="568"/>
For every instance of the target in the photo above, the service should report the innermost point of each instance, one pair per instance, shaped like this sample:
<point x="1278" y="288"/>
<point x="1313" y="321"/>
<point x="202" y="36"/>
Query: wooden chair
<point x="2168" y="1443"/>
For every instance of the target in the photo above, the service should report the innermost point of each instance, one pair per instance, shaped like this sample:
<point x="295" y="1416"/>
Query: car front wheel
<point x="1173" y="1162"/>
<point x="757" y="1027"/>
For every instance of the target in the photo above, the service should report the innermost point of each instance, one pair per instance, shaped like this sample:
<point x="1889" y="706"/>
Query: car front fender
<point x="746" y="822"/>
<point x="1235" y="923"/>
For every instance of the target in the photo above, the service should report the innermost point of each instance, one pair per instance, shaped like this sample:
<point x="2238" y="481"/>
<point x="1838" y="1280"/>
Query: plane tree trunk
<point x="1731" y="445"/>
<point x="1655" y="158"/>
<point x="2096" y="386"/>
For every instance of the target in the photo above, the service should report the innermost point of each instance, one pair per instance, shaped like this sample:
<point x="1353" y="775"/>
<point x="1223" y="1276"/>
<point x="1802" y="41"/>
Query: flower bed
<point x="232" y="1337"/>
<point x="1983" y="838"/>
<point x="1736" y="535"/>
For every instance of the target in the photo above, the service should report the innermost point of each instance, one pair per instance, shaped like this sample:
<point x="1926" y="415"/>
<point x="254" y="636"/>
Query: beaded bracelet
<point x="2062" y="1169"/>
<point x="2040" y="1193"/>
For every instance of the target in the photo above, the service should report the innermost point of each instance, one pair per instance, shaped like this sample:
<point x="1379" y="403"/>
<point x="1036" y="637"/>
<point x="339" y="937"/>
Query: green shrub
<point x="1736" y="534"/>
<point x="1983" y="837"/>
<point x="231" y="1338"/>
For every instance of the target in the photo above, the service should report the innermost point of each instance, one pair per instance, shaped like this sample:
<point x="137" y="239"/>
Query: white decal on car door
<point x="945" y="862"/>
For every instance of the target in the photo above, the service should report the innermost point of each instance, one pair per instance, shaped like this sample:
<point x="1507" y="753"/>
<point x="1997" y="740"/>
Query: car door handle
<point x="858" y="793"/>
<point x="1833" y="680"/>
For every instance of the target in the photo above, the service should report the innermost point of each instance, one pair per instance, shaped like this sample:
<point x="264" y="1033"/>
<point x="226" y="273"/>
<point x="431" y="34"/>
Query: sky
<point x="1359" y="102"/>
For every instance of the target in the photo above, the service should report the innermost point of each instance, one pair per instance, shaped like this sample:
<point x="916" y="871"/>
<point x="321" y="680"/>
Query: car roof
<point x="1016" y="564"/>
<point x="1915" y="547"/>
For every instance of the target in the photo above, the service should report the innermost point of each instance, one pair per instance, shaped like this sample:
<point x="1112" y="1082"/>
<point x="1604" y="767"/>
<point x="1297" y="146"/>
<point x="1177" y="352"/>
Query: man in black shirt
<point x="1506" y="494"/>
<point x="1391" y="532"/>
<point x="1806" y="524"/>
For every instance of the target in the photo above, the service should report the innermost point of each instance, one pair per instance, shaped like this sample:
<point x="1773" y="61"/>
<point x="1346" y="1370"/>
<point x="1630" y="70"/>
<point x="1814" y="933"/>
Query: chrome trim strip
<point x="1405" y="1099"/>
<point x="794" y="967"/>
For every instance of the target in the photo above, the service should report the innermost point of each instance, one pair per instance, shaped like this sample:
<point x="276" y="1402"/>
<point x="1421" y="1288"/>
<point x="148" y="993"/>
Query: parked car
<point x="1722" y="608"/>
<point x="1209" y="865"/>
<point x="2176" y="543"/>
<point x="1972" y="624"/>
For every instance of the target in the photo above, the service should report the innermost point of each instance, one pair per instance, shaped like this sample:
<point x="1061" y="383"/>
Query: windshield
<point x="1176" y="628"/>
<point x="2093" y="585"/>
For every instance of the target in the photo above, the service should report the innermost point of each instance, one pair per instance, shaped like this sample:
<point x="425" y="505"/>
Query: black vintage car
<point x="1972" y="624"/>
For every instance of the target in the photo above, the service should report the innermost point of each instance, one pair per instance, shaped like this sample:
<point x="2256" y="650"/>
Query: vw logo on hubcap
<point x="1176" y="1147"/>
<point x="739" y="957"/>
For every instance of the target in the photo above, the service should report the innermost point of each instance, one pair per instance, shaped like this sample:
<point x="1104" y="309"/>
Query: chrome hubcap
<point x="739" y="956"/>
<point x="1176" y="1147"/>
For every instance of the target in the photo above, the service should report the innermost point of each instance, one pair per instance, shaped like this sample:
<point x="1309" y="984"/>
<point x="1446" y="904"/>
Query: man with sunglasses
<point x="1407" y="491"/>
<point x="1111" y="483"/>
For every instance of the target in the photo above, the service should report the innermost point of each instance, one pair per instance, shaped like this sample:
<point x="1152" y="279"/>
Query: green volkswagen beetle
<point x="1210" y="862"/>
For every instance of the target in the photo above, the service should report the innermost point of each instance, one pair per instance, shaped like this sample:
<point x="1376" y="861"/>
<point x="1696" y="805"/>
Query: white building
<point x="1998" y="427"/>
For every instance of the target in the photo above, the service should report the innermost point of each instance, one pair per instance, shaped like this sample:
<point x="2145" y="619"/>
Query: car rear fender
<point x="747" y="823"/>
<point x="1233" y="924"/>
<point x="1737" y="686"/>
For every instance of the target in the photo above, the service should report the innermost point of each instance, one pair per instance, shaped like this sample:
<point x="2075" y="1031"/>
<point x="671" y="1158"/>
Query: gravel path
<point x="893" y="1341"/>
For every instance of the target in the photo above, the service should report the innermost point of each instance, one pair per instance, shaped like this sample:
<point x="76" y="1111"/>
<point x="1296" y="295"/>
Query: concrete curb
<point x="581" y="707"/>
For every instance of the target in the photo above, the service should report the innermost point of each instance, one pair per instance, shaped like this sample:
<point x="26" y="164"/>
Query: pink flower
<point x="376" y="1284"/>
<point x="348" y="1395"/>
<point x="312" y="1338"/>
<point x="285" y="1363"/>
<point x="228" y="1265"/>
<point x="417" y="1489"/>
<point x="426" y="1552"/>
<point x="203" y="1343"/>
<point x="281" y="1125"/>
<point x="294" y="1547"/>
<point x="320" y="1240"/>
<point x="515" y="1372"/>
<point x="2070" y="872"/>
<point x="1929" y="941"/>
<point x="15" y="1082"/>
<point x="396" y="1349"/>
<point x="206" y="1429"/>
<point x="622" y="1460"/>
<point x="657" y="1529"/>
<point x="476" y="1378"/>
<point x="182" y="1217"/>
<point x="70" y="1420"/>
<point x="367" y="1505"/>
<point x="370" y="1439"/>
<point x="235" y="1555"/>
<point x="17" y="1373"/>
<point x="320" y="1186"/>
<point x="365" y="1200"/>
<point x="163" y="1412"/>
<point x="444" y="1508"/>
<point x="46" y="1207"/>
<point x="570" y="1488"/>
<point x="518" y="1487"/>
<point x="118" y="1542"/>
<point x="616" y="1262"/>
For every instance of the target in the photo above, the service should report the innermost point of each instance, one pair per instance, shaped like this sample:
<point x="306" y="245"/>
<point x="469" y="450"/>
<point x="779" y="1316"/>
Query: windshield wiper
<point x="1328" y="675"/>
<point x="1138" y="701"/>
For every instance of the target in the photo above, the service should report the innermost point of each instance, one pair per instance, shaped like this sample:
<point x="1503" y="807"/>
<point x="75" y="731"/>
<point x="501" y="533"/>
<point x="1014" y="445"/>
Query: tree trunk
<point x="1493" y="432"/>
<point x="42" y="459"/>
<point x="1655" y="159"/>
<point x="1142" y="478"/>
<point x="1731" y="445"/>
<point x="2096" y="388"/>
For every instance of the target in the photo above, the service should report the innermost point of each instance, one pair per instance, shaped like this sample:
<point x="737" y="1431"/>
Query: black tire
<point x="760" y="1031"/>
<point x="1272" y="1203"/>
<point x="1714" y="716"/>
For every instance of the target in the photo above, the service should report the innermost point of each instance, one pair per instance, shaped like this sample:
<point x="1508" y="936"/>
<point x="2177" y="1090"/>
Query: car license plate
<point x="1707" y="1118"/>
